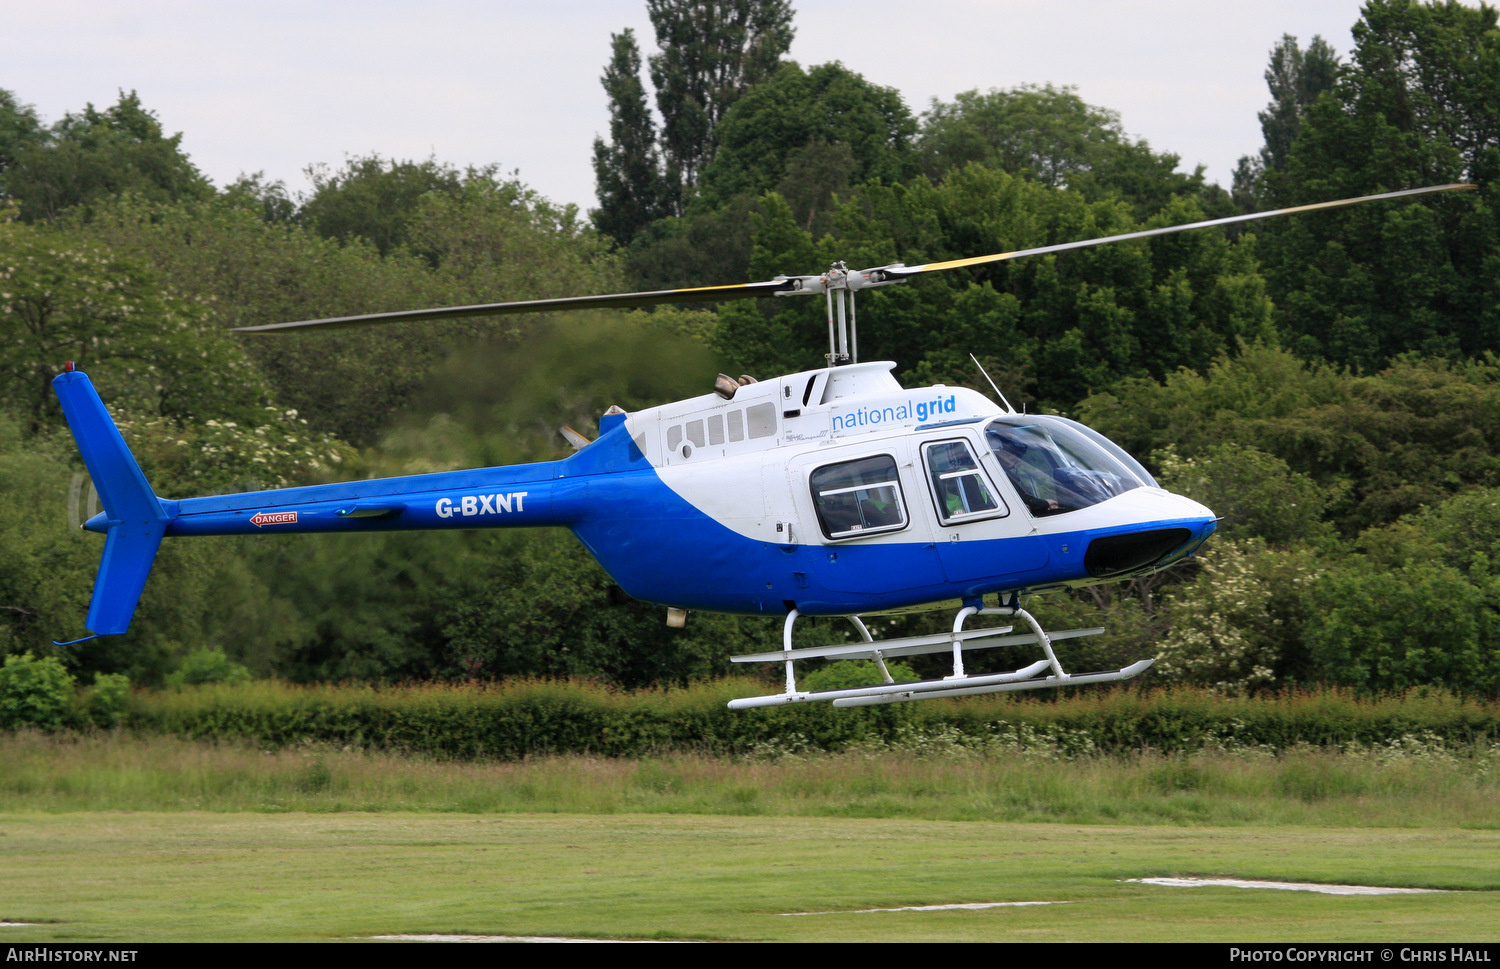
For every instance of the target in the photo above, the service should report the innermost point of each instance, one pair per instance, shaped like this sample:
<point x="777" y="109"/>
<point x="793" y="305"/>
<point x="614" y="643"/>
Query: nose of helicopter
<point x="1179" y="526"/>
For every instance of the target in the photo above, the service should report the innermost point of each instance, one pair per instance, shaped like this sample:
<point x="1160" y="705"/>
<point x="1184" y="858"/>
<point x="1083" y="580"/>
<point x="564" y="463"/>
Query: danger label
<point x="273" y="518"/>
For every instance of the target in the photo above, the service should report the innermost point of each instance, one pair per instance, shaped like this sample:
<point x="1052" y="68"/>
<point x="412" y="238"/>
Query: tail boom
<point x="135" y="520"/>
<point x="523" y="496"/>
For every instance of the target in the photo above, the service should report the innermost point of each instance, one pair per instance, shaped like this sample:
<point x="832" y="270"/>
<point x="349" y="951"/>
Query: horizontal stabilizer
<point x="578" y="441"/>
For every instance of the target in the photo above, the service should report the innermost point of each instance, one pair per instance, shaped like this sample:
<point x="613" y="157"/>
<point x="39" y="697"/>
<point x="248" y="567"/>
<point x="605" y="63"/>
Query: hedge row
<point x="519" y="719"/>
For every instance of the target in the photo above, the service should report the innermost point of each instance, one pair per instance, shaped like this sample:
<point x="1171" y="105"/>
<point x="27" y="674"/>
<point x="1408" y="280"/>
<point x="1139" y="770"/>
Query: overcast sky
<point x="274" y="86"/>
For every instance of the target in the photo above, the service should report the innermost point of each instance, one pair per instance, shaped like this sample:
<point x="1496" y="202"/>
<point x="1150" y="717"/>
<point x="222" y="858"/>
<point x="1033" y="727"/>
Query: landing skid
<point x="1047" y="672"/>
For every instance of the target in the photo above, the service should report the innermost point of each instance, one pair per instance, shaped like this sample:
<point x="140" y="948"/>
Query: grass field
<point x="121" y="840"/>
<point x="151" y="876"/>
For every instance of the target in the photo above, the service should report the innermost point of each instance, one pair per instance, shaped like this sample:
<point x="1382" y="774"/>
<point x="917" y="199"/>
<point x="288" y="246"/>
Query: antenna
<point x="1008" y="408"/>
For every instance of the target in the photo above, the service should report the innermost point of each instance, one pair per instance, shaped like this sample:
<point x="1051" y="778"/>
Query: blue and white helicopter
<point x="832" y="492"/>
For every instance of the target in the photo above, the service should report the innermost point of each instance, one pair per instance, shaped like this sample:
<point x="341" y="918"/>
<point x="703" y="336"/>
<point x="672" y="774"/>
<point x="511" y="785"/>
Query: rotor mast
<point x="837" y="284"/>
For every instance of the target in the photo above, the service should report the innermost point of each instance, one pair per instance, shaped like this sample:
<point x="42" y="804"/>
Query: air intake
<point x="1119" y="554"/>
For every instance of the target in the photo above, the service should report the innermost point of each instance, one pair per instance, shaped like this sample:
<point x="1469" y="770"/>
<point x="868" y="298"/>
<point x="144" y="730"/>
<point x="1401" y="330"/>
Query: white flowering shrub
<point x="1231" y="625"/>
<point x="150" y="351"/>
<point x="276" y="451"/>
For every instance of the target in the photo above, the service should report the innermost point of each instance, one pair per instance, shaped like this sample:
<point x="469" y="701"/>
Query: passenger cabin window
<point x="762" y="420"/>
<point x="959" y="487"/>
<point x="858" y="498"/>
<point x="755" y="422"/>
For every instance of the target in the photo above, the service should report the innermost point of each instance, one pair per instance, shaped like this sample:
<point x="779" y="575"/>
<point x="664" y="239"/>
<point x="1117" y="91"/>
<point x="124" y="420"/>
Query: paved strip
<point x="1284" y="886"/>
<point x="930" y="908"/>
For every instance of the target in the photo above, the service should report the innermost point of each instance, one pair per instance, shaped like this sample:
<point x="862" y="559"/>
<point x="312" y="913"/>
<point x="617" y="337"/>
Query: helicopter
<point x="832" y="492"/>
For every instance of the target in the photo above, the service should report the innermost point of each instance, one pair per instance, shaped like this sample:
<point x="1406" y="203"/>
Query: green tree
<point x="347" y="607"/>
<point x="815" y="174"/>
<point x="1063" y="325"/>
<point x="775" y="337"/>
<point x="627" y="170"/>
<point x="1257" y="495"/>
<point x="227" y="258"/>
<point x="491" y="240"/>
<point x="272" y="198"/>
<point x="1429" y="73"/>
<point x="807" y="135"/>
<point x="1296" y="78"/>
<point x="375" y="199"/>
<point x="108" y="700"/>
<point x="268" y="447"/>
<point x="1051" y="135"/>
<point x="1415" y="106"/>
<point x="68" y="298"/>
<point x="1378" y="447"/>
<point x="1463" y="530"/>
<point x="710" y="54"/>
<point x="19" y="129"/>
<point x="546" y="608"/>
<point x="495" y="239"/>
<point x="1193" y="411"/>
<point x="47" y="569"/>
<point x="85" y="158"/>
<point x="707" y="247"/>
<point x="207" y="665"/>
<point x="1419" y="624"/>
<point x="34" y="693"/>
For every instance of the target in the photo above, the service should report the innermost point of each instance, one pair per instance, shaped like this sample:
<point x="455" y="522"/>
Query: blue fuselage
<point x="662" y="548"/>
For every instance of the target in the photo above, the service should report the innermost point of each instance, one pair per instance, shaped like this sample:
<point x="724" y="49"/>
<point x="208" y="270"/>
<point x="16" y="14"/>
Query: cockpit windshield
<point x="1058" y="465"/>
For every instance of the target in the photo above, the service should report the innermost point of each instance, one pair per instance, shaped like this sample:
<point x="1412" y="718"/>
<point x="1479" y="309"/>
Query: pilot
<point x="1032" y="482"/>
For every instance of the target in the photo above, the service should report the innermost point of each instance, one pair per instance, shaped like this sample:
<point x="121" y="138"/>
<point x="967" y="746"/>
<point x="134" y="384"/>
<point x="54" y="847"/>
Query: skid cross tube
<point x="1036" y="628"/>
<point x="787" y="650"/>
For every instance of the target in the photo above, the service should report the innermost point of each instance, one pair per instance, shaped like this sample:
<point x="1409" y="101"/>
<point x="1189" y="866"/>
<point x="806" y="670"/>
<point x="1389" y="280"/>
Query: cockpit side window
<point x="960" y="488"/>
<point x="858" y="498"/>
<point x="1056" y="468"/>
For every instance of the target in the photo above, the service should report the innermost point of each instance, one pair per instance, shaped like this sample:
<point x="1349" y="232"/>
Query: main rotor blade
<point x="700" y="294"/>
<point x="902" y="272"/>
<point x="802" y="285"/>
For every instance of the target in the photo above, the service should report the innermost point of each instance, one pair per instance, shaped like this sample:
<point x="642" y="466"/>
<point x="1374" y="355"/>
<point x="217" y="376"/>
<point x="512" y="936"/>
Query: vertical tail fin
<point x="136" y="519"/>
